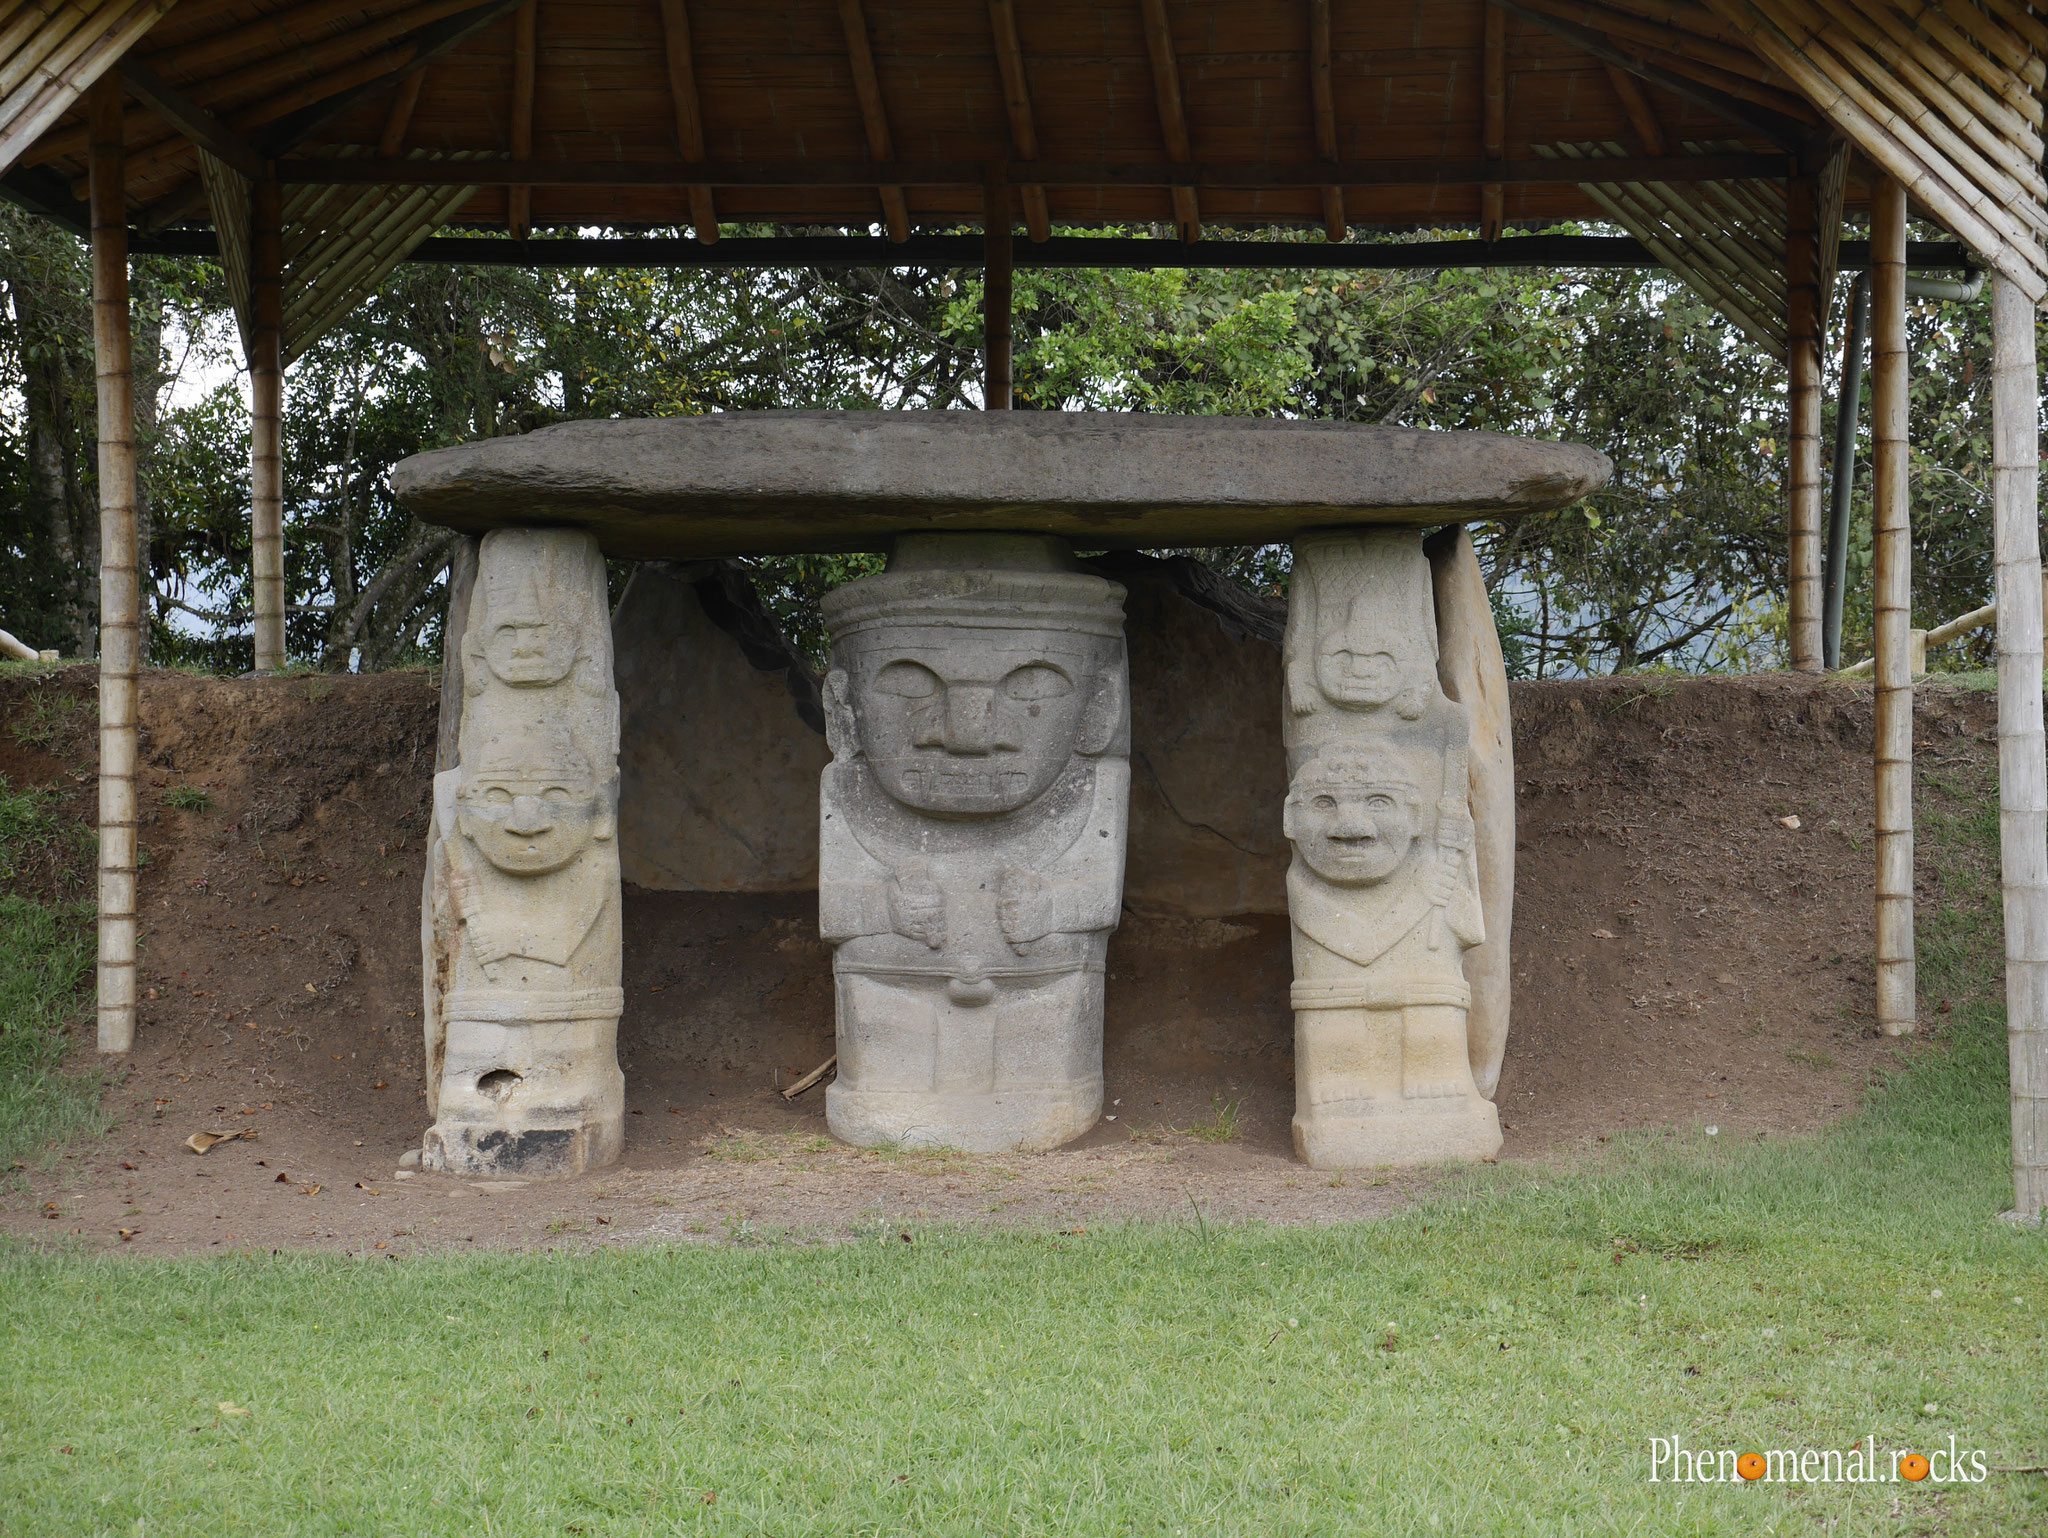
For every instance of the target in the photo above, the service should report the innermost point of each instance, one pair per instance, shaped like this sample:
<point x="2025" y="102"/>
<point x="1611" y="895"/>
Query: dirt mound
<point x="1682" y="954"/>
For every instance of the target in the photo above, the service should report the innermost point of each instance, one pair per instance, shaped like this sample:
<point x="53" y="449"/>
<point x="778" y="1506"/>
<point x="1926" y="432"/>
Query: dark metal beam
<point x="379" y="172"/>
<point x="191" y="119"/>
<point x="1065" y="251"/>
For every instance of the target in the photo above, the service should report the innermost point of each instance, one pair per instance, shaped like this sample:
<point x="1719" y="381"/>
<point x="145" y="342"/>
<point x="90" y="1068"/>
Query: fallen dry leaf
<point x="229" y="1407"/>
<point x="1603" y="934"/>
<point x="199" y="1142"/>
<point x="282" y="1179"/>
<point x="127" y="1233"/>
<point x="380" y="1084"/>
<point x="1789" y="822"/>
<point x="370" y="1189"/>
<point x="312" y="1190"/>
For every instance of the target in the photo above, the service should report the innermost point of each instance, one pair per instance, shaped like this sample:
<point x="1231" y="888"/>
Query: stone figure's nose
<point x="970" y="719"/>
<point x="1354" y="826"/>
<point x="529" y="816"/>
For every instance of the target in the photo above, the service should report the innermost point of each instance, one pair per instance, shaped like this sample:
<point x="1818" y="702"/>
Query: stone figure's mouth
<point x="955" y="784"/>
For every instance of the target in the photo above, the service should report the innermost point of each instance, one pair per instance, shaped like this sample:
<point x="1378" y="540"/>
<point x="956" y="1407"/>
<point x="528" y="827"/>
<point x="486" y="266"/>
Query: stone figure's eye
<point x="1036" y="681"/>
<point x="1380" y="803"/>
<point x="907" y="681"/>
<point x="498" y="795"/>
<point x="556" y="795"/>
<point x="1326" y="803"/>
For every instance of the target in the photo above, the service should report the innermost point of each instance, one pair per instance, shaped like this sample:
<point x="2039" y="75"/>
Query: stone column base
<point x="1005" y="1121"/>
<point x="529" y="1098"/>
<point x="1350" y="1134"/>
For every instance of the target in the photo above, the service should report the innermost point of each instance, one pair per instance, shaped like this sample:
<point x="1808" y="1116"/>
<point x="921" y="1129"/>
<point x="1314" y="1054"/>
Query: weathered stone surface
<point x="759" y="481"/>
<point x="972" y="842"/>
<point x="1472" y="671"/>
<point x="1207" y="771"/>
<point x="719" y="757"/>
<point x="522" y="930"/>
<point x="1383" y="891"/>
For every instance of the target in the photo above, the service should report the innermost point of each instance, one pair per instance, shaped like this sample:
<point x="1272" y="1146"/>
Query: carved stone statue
<point x="1384" y="887"/>
<point x="522" y="935"/>
<point x="972" y="841"/>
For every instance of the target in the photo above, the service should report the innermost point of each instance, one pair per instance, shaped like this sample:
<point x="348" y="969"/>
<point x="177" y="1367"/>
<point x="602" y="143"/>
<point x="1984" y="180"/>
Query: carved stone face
<point x="530" y="821"/>
<point x="1358" y="666"/>
<point x="1353" y="830"/>
<point x="971" y="723"/>
<point x="529" y="652"/>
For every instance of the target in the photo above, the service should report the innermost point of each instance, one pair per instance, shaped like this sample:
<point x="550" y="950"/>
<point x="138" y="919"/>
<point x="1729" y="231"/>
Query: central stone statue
<point x="972" y="841"/>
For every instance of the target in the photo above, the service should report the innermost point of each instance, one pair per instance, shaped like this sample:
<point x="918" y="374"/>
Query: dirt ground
<point x="1684" y="957"/>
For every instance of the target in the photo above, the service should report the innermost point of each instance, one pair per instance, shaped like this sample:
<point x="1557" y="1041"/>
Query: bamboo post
<point x="1893" y="579"/>
<point x="266" y="419"/>
<point x="998" y="276"/>
<point x="120" y="607"/>
<point x="1841" y="489"/>
<point x="2022" y="756"/>
<point x="1802" y="463"/>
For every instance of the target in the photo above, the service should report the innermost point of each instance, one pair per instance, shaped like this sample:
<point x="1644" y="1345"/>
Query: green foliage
<point x="189" y="798"/>
<point x="45" y="959"/>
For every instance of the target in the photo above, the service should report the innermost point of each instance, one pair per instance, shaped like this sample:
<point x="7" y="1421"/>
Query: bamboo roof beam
<point x="525" y="44"/>
<point x="1730" y="59"/>
<point x="1642" y="117"/>
<point x="1681" y="16"/>
<point x="1173" y="122"/>
<point x="1323" y="99"/>
<point x="1493" y="131"/>
<point x="1995" y="74"/>
<point x="2014" y="187"/>
<point x="689" y="111"/>
<point x="1002" y="17"/>
<point x="279" y="32"/>
<point x="1898" y="149"/>
<point x="392" y="140"/>
<point x="192" y="120"/>
<point x="867" y="86"/>
<point x="55" y="64"/>
<point x="2019" y="50"/>
<point x="238" y="88"/>
<point x="1767" y="123"/>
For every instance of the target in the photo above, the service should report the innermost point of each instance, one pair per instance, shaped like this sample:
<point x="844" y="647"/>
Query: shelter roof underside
<point x="590" y="94"/>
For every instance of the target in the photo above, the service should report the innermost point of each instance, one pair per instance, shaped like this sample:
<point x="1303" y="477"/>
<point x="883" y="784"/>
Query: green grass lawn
<point x="1494" y="1361"/>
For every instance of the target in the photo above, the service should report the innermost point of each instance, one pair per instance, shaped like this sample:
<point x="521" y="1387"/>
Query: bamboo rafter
<point x="1724" y="240"/>
<point x="1938" y="96"/>
<point x="51" y="51"/>
<point x="339" y="243"/>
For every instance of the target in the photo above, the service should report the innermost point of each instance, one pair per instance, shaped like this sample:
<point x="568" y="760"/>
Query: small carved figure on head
<point x="1359" y="666"/>
<point x="534" y="601"/>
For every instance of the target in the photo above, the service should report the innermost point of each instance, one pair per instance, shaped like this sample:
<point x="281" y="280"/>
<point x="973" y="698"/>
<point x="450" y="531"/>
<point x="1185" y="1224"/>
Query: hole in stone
<point x="498" y="1083"/>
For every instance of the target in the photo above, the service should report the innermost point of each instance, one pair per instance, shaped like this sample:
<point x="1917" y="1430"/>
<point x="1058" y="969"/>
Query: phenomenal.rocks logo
<point x="1864" y="1463"/>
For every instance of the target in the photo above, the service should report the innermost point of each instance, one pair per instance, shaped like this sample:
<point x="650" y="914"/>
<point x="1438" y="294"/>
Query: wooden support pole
<point x="525" y="46"/>
<point x="1493" y="78"/>
<point x="1893" y="580"/>
<point x="1803" y="458"/>
<point x="998" y="277"/>
<point x="1323" y="101"/>
<point x="120" y="595"/>
<point x="266" y="419"/>
<point x="2022" y="752"/>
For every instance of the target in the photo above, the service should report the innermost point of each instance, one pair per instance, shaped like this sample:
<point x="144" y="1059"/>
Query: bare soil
<point x="1684" y="956"/>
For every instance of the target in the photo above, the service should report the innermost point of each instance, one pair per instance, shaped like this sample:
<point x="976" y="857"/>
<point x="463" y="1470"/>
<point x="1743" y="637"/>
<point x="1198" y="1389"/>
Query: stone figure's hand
<point x="1455" y="829"/>
<point x="1444" y="883"/>
<point x="917" y="908"/>
<point x="1023" y="906"/>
